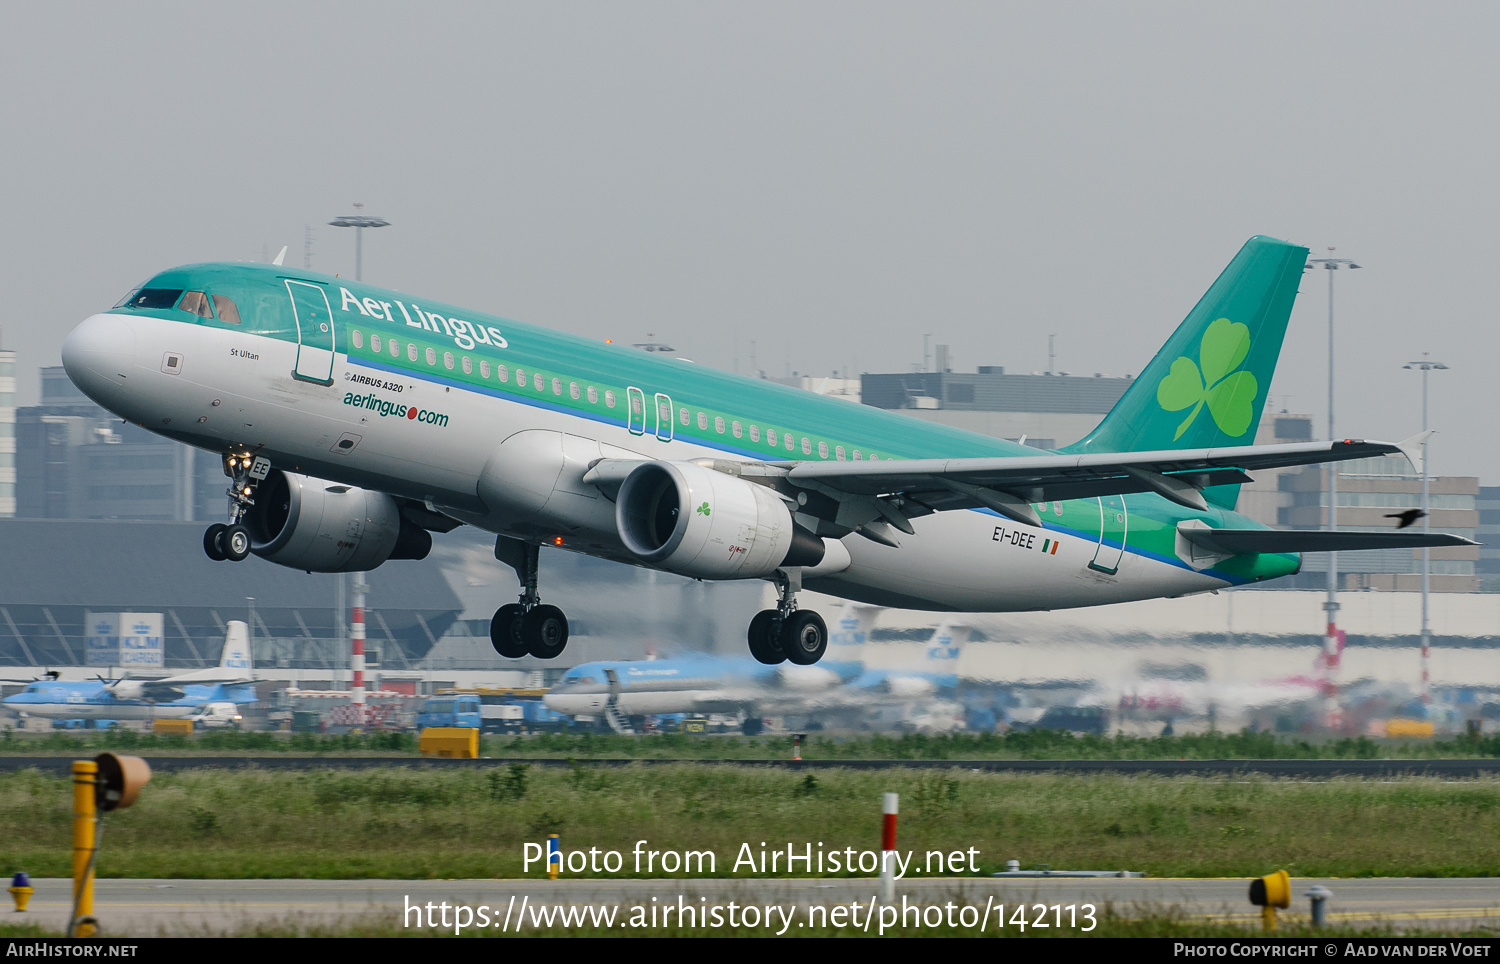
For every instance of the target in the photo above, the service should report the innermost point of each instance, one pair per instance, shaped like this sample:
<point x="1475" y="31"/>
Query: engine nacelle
<point x="306" y="523"/>
<point x="126" y="689"/>
<point x="691" y="520"/>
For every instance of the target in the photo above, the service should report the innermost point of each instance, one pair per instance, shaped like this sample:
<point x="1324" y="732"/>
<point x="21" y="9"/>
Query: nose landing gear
<point x="526" y="628"/>
<point x="232" y="541"/>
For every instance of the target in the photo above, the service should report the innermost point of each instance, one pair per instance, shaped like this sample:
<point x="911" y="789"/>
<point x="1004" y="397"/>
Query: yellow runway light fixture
<point x="107" y="782"/>
<point x="1270" y="892"/>
<point x="20" y="890"/>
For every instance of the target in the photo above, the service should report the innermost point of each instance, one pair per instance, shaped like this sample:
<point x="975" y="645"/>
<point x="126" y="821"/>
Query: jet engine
<point x="306" y="523"/>
<point x="692" y="520"/>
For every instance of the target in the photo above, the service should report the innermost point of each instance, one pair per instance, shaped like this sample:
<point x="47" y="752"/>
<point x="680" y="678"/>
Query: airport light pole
<point x="358" y="221"/>
<point x="1424" y="366"/>
<point x="1331" y="607"/>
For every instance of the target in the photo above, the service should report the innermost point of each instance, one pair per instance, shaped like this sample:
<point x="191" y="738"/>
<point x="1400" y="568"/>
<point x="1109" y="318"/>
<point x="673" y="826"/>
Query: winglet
<point x="1413" y="448"/>
<point x="280" y="257"/>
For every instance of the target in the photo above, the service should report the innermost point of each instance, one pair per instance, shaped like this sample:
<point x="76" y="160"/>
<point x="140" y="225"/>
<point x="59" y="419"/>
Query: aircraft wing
<point x="1011" y="485"/>
<point x="1240" y="541"/>
<point x="872" y="497"/>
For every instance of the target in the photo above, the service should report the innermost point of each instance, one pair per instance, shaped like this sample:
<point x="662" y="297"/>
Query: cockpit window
<point x="227" y="311"/>
<point x="155" y="298"/>
<point x="126" y="300"/>
<point x="197" y="303"/>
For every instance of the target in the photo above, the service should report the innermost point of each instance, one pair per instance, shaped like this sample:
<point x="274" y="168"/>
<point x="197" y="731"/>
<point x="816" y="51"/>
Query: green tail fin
<point x="1207" y="385"/>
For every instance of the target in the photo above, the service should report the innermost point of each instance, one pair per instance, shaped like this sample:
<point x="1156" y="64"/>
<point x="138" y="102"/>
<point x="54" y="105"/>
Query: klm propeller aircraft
<point x="354" y="421"/>
<point x="175" y="697"/>
<point x="843" y="690"/>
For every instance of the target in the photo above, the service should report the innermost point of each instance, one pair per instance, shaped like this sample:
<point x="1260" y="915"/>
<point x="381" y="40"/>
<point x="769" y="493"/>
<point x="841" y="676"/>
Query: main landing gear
<point x="232" y="541"/>
<point x="526" y="628"/>
<point x="787" y="633"/>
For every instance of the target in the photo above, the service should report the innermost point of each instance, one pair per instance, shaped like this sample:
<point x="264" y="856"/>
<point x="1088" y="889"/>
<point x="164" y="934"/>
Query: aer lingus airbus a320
<point x="354" y="420"/>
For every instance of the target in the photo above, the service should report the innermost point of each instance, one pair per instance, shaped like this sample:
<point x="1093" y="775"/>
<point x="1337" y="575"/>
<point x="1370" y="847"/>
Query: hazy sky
<point x="831" y="181"/>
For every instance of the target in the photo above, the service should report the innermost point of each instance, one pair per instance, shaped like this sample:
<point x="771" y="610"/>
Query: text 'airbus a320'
<point x="354" y="421"/>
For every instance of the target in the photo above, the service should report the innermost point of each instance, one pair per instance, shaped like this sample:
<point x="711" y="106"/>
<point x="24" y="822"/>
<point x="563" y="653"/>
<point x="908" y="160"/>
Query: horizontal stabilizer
<point x="1236" y="542"/>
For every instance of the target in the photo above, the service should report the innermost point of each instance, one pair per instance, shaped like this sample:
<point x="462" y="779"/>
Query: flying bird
<point x="1407" y="517"/>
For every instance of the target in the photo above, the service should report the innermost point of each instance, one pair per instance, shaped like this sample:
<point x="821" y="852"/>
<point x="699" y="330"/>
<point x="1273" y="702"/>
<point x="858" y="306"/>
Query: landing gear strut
<point x="232" y="541"/>
<point x="787" y="633"/>
<point x="527" y="627"/>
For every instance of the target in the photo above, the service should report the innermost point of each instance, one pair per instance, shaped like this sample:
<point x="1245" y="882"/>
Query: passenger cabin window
<point x="196" y="302"/>
<point x="156" y="298"/>
<point x="230" y="314"/>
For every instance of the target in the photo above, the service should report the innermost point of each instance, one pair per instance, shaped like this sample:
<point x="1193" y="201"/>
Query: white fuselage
<point x="515" y="466"/>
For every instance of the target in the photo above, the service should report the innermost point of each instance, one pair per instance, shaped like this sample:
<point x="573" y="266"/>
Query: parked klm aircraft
<point x="841" y="690"/>
<point x="175" y="697"/>
<point x="353" y="421"/>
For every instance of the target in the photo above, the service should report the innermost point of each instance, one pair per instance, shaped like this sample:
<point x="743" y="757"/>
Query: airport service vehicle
<point x="217" y="716"/>
<point x="175" y="697"/>
<point x="354" y="421"/>
<point x="460" y="711"/>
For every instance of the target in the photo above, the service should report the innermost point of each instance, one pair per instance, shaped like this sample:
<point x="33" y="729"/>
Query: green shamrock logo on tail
<point x="1229" y="394"/>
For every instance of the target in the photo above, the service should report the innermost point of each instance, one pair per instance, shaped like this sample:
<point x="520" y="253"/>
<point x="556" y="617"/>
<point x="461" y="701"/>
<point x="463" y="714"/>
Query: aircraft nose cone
<point x="99" y="355"/>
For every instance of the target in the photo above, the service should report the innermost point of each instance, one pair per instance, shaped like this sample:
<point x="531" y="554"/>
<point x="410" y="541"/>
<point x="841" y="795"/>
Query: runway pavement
<point x="144" y="908"/>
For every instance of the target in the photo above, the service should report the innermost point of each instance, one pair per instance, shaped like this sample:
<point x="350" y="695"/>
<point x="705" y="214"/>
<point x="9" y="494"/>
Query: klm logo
<point x="942" y="651"/>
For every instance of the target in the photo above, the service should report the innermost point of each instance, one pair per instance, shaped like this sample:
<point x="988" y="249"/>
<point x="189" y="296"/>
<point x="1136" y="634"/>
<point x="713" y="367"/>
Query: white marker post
<point x="888" y="849"/>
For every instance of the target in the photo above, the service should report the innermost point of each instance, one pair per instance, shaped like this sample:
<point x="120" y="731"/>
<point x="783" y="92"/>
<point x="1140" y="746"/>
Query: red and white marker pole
<point x="888" y="848"/>
<point x="357" y="638"/>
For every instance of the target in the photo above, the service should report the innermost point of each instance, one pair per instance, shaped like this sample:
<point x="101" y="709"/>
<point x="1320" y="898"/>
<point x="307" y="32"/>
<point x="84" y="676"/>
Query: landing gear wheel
<point x="765" y="642"/>
<point x="213" y="545"/>
<point x="545" y="630"/>
<point x="505" y="631"/>
<point x="804" y="637"/>
<point x="235" y="542"/>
